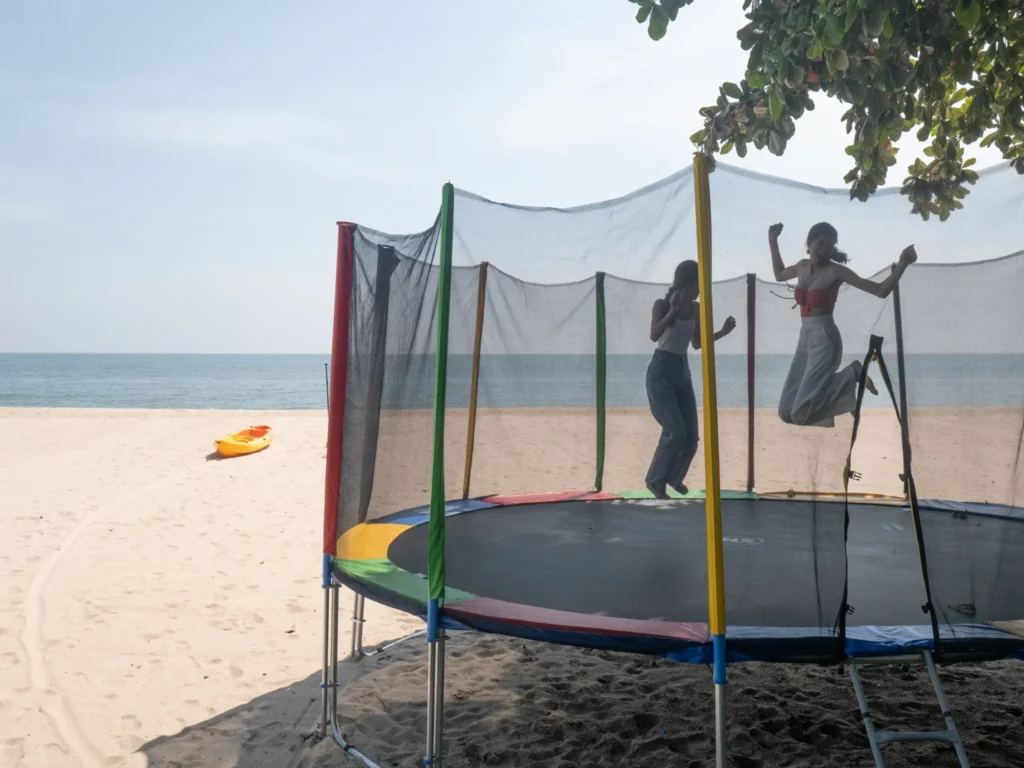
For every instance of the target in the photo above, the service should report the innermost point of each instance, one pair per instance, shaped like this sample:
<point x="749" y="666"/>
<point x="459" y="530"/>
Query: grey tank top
<point x="677" y="336"/>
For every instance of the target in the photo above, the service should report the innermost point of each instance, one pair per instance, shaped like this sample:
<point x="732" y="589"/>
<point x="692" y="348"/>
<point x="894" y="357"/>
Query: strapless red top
<point x="818" y="298"/>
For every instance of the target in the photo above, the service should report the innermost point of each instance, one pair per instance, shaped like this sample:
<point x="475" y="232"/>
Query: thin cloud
<point x="23" y="210"/>
<point x="310" y="143"/>
<point x="212" y="128"/>
<point x="599" y="88"/>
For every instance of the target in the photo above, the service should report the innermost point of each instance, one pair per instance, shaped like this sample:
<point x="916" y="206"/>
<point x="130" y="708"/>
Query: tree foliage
<point x="949" y="71"/>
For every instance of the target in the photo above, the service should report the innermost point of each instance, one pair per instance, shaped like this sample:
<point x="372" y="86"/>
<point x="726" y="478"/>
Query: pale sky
<point x="170" y="174"/>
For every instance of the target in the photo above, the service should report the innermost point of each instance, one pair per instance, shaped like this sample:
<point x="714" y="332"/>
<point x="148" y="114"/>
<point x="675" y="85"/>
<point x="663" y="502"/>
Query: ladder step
<point x="890" y="737"/>
<point x="903" y="658"/>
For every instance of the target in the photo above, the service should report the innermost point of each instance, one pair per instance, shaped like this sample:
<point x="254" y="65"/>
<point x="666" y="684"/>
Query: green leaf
<point x="643" y="13"/>
<point x="869" y="133"/>
<point x="908" y="108"/>
<point x="888" y="30"/>
<point x="852" y="17"/>
<point x="837" y="60"/>
<point x="741" y="148"/>
<point x="658" y="24"/>
<point x="877" y="16"/>
<point x="929" y="151"/>
<point x="727" y="148"/>
<point x="733" y="90"/>
<point x="968" y="13"/>
<point x="776" y="144"/>
<point x="834" y="31"/>
<point x="756" y="80"/>
<point x="756" y="59"/>
<point x="795" y="75"/>
<point x="970" y="161"/>
<point x="748" y="35"/>
<point x="775" y="104"/>
<point x="697" y="138"/>
<point x="964" y="69"/>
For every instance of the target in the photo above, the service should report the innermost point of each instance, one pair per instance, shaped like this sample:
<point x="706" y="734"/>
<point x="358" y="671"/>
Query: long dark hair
<point x="824" y="229"/>
<point x="685" y="276"/>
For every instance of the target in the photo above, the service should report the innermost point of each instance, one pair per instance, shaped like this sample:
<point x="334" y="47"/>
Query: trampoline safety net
<point x="548" y="347"/>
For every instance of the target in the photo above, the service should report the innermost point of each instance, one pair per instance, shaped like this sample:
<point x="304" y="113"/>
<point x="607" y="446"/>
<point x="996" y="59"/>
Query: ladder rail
<point x="877" y="738"/>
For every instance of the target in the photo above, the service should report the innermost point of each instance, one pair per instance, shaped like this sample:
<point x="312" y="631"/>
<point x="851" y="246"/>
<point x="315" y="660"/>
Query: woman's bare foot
<point x="869" y="385"/>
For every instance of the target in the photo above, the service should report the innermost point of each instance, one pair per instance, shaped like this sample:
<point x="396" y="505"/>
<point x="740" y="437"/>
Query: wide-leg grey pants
<point x="674" y="406"/>
<point x="816" y="390"/>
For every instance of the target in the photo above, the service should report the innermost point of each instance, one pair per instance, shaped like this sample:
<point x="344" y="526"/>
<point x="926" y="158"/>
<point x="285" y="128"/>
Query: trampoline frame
<point x="436" y="624"/>
<point x="365" y="566"/>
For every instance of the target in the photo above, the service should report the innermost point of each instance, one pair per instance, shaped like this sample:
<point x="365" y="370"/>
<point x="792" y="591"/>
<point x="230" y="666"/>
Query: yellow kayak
<point x="248" y="440"/>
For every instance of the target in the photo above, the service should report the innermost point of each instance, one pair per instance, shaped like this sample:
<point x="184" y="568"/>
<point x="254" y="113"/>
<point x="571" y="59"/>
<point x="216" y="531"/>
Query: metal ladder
<point x="877" y="738"/>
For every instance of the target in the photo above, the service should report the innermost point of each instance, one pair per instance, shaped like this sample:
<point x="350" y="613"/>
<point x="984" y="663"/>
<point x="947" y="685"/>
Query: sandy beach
<point x="160" y="608"/>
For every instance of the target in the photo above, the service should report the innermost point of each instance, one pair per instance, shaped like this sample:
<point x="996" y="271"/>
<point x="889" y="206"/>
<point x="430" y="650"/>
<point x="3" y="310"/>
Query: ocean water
<point x="286" y="382"/>
<point x="225" y="382"/>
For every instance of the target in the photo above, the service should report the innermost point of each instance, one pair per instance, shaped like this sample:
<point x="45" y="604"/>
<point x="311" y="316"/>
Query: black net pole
<point x="387" y="261"/>
<point x="901" y="372"/>
<point x="915" y="512"/>
<point x="751" y="325"/>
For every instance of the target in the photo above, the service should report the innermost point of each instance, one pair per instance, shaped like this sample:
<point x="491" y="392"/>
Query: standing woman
<point x="675" y="324"/>
<point x="816" y="391"/>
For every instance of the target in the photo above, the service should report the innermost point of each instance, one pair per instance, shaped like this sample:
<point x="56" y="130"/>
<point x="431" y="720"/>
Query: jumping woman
<point x="816" y="391"/>
<point x="675" y="324"/>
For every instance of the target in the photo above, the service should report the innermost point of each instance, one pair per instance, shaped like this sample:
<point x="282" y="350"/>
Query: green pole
<point x="602" y="379"/>
<point x="435" y="554"/>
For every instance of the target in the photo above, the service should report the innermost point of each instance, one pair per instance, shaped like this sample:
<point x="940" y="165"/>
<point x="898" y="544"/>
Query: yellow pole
<point x="713" y="490"/>
<point x="481" y="298"/>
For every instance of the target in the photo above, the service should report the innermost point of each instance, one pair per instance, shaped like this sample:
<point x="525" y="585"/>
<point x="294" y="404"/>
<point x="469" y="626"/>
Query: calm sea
<point x="284" y="382"/>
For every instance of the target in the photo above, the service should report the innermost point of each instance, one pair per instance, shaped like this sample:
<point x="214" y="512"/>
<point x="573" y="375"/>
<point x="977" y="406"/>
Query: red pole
<point x="339" y="381"/>
<point x="751" y="324"/>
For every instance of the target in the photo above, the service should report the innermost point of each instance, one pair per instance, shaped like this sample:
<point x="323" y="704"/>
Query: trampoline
<point x="624" y="573"/>
<point x="536" y="323"/>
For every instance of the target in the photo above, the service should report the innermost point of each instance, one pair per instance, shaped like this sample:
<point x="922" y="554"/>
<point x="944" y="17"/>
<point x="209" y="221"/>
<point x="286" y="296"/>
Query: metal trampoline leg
<point x="428" y="757"/>
<point x="721" y="734"/>
<point x="335" y="610"/>
<point x="358" y="610"/>
<point x="439" y="702"/>
<point x="322" y="728"/>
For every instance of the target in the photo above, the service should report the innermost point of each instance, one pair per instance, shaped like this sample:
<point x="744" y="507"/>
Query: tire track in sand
<point x="55" y="704"/>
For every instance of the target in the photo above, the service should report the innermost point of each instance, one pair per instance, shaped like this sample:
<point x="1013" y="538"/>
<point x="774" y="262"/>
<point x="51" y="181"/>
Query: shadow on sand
<point x="514" y="703"/>
<point x="269" y="731"/>
<point x="278" y="729"/>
